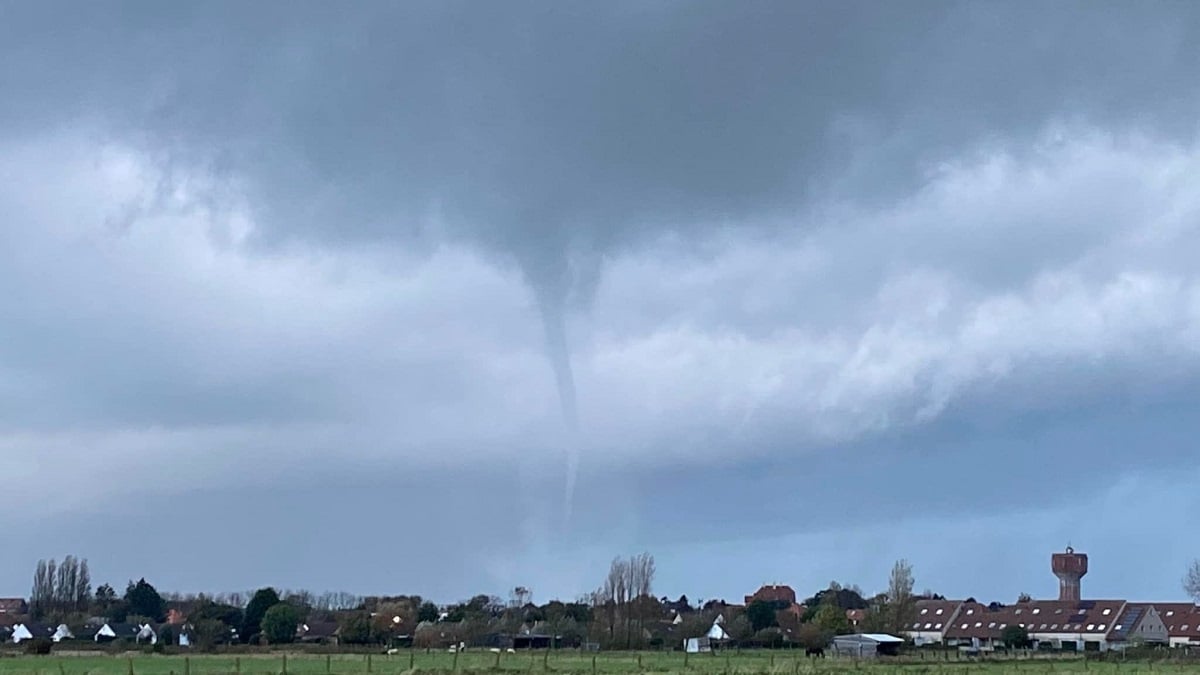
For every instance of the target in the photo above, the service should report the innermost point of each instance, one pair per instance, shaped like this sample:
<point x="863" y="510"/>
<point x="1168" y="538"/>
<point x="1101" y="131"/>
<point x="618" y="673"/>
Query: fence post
<point x="593" y="664"/>
<point x="456" y="658"/>
<point x="412" y="657"/>
<point x="237" y="663"/>
<point x="131" y="666"/>
<point x="285" y="664"/>
<point x="497" y="660"/>
<point x="369" y="665"/>
<point x="546" y="660"/>
<point x="685" y="656"/>
<point x="328" y="658"/>
<point x="187" y="665"/>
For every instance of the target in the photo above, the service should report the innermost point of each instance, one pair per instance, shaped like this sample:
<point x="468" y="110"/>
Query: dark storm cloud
<point x="533" y="128"/>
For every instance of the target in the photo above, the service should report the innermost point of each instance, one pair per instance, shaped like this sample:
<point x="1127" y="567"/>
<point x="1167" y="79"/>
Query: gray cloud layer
<point x="248" y="239"/>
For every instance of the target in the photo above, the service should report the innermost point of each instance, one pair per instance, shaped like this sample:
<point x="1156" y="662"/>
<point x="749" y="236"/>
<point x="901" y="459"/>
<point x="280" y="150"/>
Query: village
<point x="836" y="620"/>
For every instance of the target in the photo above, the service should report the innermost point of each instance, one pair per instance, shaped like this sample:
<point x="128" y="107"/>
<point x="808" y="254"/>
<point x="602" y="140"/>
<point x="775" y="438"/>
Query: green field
<point x="609" y="663"/>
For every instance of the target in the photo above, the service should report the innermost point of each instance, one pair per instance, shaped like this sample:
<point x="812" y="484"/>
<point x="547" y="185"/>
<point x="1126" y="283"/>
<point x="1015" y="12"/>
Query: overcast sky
<point x="446" y="297"/>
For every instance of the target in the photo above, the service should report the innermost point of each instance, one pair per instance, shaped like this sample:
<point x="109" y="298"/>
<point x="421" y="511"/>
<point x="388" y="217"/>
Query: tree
<point x="264" y="599"/>
<point x="144" y="600"/>
<point x="1024" y="597"/>
<point x="900" y="595"/>
<point x="1015" y="637"/>
<point x="356" y="629"/>
<point x="427" y="612"/>
<point x="1191" y="581"/>
<point x="831" y="620"/>
<point x="207" y="633"/>
<point x="810" y="636"/>
<point x="761" y="615"/>
<point x="279" y="623"/>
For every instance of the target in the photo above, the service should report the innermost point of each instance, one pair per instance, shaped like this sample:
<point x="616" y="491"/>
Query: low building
<point x="933" y="619"/>
<point x="1083" y="625"/>
<point x="13" y="607"/>
<point x="866" y="645"/>
<point x="1182" y="622"/>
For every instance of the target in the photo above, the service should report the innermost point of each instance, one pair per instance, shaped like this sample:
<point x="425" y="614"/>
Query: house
<point x="62" y="632"/>
<point x="777" y="593"/>
<point x="855" y="617"/>
<point x="1182" y="622"/>
<point x="112" y="631"/>
<point x="29" y="631"/>
<point x="697" y="645"/>
<point x="866" y="645"/>
<point x="146" y="635"/>
<point x="1069" y="625"/>
<point x="933" y="618"/>
<point x="322" y="632"/>
<point x="1140" y="623"/>
<point x="13" y="607"/>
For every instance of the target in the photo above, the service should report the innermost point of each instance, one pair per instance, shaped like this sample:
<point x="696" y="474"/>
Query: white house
<point x="63" y="632"/>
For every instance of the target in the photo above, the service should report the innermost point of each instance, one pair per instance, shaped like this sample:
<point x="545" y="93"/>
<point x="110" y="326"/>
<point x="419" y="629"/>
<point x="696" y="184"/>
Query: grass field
<point x="745" y="663"/>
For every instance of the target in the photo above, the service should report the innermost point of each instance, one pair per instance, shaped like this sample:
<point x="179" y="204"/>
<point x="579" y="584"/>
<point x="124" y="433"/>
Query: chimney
<point x="1069" y="567"/>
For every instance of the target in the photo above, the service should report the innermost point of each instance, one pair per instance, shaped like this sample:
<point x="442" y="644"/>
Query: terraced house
<point x="1068" y="623"/>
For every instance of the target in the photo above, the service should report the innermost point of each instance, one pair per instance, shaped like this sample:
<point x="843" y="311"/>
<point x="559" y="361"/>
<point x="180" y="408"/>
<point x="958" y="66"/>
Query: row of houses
<point x="106" y="632"/>
<point x="1072" y="625"/>
<point x="1069" y="623"/>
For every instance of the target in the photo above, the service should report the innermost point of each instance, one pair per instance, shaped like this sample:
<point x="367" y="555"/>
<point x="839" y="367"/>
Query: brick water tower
<point x="1069" y="567"/>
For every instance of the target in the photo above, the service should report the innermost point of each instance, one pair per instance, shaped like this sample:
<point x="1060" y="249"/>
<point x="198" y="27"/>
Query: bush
<point x="39" y="646"/>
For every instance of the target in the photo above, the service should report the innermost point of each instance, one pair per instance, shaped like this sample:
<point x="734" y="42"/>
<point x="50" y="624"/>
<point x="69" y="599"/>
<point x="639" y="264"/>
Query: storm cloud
<point x="396" y="258"/>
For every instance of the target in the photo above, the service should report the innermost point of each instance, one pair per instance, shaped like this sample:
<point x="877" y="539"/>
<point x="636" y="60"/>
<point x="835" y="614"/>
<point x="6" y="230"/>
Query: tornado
<point x="553" y="314"/>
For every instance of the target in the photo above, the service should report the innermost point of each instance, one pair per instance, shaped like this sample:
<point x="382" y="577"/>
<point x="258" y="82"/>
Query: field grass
<point x="539" y="663"/>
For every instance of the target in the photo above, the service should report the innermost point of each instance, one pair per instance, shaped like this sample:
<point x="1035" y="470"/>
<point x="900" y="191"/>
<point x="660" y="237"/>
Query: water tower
<point x="1069" y="567"/>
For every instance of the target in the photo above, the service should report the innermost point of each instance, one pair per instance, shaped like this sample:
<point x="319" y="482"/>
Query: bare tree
<point x="1191" y="580"/>
<point x="900" y="594"/>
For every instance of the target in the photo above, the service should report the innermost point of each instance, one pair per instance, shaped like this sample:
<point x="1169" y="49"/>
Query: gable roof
<point x="13" y="606"/>
<point x="318" y="629"/>
<point x="1082" y="617"/>
<point x="934" y="615"/>
<point x="773" y="593"/>
<point x="1182" y="619"/>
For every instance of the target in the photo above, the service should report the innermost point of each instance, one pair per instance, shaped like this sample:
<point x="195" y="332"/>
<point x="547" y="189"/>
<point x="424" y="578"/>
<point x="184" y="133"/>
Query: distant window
<point x="937" y="626"/>
<point x="1117" y="627"/>
<point x="1184" y="627"/>
<point x="1058" y="611"/>
<point x="992" y="624"/>
<point x="1107" y="612"/>
<point x="1170" y="612"/>
<point x="966" y="626"/>
<point x="1037" y="610"/>
<point x="928" y="626"/>
<point x="978" y="624"/>
<point x="1042" y="627"/>
<point x="916" y="626"/>
<point x="1091" y="626"/>
<point x="1003" y="626"/>
<point x="1100" y="627"/>
<point x="939" y="611"/>
<point x="1053" y="626"/>
<point x="1017" y="612"/>
<point x="970" y="611"/>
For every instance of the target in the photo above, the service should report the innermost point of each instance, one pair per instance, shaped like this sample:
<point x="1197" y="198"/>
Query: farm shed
<point x="866" y="645"/>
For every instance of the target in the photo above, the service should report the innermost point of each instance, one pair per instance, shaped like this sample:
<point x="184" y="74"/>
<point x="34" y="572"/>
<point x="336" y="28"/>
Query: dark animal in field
<point x="817" y="652"/>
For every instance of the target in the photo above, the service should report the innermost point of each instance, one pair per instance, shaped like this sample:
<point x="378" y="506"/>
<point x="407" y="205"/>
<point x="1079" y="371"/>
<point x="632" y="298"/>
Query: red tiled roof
<point x="934" y="615"/>
<point x="773" y="593"/>
<point x="1182" y="619"/>
<point x="12" y="606"/>
<point x="1040" y="616"/>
